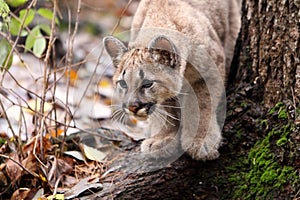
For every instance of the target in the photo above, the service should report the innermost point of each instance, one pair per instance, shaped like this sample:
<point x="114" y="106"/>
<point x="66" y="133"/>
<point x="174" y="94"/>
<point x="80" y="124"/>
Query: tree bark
<point x="270" y="44"/>
<point x="180" y="180"/>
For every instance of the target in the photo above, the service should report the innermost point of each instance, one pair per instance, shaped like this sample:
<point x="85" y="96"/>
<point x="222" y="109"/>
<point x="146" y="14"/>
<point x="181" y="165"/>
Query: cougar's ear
<point x="163" y="43"/>
<point x="115" y="48"/>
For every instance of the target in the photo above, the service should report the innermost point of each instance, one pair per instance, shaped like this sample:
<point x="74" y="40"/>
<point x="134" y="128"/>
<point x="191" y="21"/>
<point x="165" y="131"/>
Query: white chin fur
<point x="140" y="115"/>
<point x="141" y="118"/>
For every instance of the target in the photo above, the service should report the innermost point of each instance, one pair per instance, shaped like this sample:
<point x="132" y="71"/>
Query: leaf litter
<point x="67" y="155"/>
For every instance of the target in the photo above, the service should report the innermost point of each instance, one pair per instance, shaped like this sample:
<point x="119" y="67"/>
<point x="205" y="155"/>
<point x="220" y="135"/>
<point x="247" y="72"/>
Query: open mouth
<point x="141" y="113"/>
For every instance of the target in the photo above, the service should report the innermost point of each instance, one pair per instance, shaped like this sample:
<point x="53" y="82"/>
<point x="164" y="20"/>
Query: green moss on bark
<point x="263" y="173"/>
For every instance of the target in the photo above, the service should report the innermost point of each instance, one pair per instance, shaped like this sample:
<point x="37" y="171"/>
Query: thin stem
<point x="121" y="16"/>
<point x="8" y="121"/>
<point x="19" y="164"/>
<point x="17" y="39"/>
<point x="69" y="60"/>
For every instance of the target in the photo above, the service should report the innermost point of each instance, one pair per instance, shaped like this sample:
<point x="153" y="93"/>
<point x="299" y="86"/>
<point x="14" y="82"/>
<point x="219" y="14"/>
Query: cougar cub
<point x="174" y="70"/>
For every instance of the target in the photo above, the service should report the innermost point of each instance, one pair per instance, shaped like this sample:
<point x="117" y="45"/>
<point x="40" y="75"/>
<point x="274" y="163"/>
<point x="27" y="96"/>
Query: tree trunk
<point x="270" y="43"/>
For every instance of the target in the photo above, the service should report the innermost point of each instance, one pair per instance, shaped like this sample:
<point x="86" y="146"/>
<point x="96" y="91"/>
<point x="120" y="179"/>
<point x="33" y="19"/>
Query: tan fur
<point x="173" y="42"/>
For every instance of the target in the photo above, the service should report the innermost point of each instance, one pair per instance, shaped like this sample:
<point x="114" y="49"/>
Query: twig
<point x="21" y="99"/>
<point x="9" y="57"/>
<point x="99" y="57"/>
<point x="56" y="185"/>
<point x="54" y="65"/>
<point x="46" y="77"/>
<point x="40" y="114"/>
<point x="69" y="60"/>
<point x="17" y="39"/>
<point x="51" y="38"/>
<point x="47" y="74"/>
<point x="121" y="16"/>
<point x="35" y="146"/>
<point x="20" y="165"/>
<point x="25" y="123"/>
<point x="8" y="121"/>
<point x="296" y="196"/>
<point x="22" y="87"/>
<point x="18" y="53"/>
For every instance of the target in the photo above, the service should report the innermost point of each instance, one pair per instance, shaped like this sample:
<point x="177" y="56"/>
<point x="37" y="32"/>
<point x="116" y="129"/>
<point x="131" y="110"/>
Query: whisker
<point x="115" y="105"/>
<point x="168" y="114"/>
<point x="116" y="115"/>
<point x="164" y="117"/>
<point x="168" y="106"/>
<point x="160" y="118"/>
<point x="178" y="92"/>
<point x="115" y="118"/>
<point x="124" y="118"/>
<point x="116" y="112"/>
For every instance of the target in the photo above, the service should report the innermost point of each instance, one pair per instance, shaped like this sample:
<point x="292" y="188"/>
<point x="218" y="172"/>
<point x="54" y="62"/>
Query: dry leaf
<point x="76" y="154"/>
<point x="2" y="166"/>
<point x="107" y="101"/>
<point x="35" y="104"/>
<point x="23" y="194"/>
<point x="105" y="88"/>
<point x="3" y="148"/>
<point x="54" y="133"/>
<point x="81" y="186"/>
<point x="69" y="181"/>
<point x="29" y="146"/>
<point x="57" y="197"/>
<point x="38" y="195"/>
<point x="93" y="154"/>
<point x="73" y="76"/>
<point x="104" y="83"/>
<point x="3" y="179"/>
<point x="13" y="170"/>
<point x="30" y="163"/>
<point x="58" y="167"/>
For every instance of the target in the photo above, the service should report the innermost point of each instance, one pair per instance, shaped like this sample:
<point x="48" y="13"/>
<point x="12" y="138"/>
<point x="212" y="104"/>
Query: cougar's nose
<point x="134" y="107"/>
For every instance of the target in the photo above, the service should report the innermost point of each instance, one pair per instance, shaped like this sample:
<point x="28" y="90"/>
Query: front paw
<point x="201" y="150"/>
<point x="160" y="147"/>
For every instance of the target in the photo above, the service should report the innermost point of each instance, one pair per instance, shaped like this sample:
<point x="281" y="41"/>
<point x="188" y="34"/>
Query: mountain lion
<point x="173" y="72"/>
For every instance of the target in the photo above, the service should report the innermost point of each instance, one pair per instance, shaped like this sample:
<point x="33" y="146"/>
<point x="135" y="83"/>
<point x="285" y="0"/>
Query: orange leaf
<point x="107" y="101"/>
<point x="54" y="133"/>
<point x="73" y="75"/>
<point x="104" y="83"/>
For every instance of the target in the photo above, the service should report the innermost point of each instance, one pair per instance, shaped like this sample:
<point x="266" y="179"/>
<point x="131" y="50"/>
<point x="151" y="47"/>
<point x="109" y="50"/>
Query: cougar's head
<point x="145" y="77"/>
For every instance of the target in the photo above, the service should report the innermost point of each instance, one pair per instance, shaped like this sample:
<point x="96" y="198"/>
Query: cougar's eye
<point x="147" y="83"/>
<point x="122" y="83"/>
